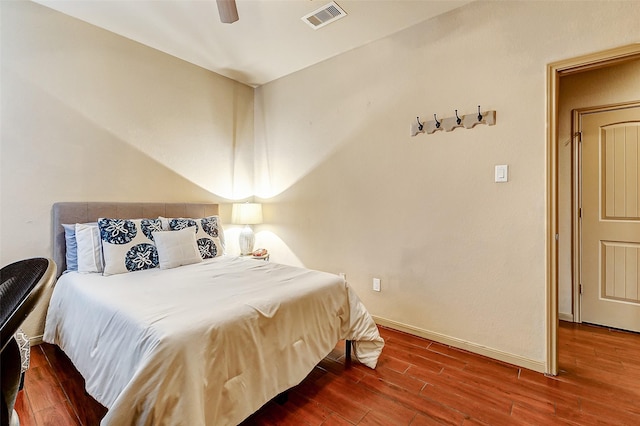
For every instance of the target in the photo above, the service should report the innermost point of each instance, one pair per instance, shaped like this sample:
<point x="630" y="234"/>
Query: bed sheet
<point x="204" y="344"/>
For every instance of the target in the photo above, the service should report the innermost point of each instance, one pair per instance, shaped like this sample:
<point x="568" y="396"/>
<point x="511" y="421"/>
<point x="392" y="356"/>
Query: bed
<point x="206" y="343"/>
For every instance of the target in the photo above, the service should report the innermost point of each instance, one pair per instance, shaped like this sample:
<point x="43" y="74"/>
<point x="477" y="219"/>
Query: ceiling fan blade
<point x="228" y="11"/>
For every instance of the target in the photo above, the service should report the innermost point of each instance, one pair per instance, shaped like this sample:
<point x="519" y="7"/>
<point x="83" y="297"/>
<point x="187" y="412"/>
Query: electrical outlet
<point x="376" y="284"/>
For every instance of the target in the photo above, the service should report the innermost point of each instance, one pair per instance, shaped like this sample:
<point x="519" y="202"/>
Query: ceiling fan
<point x="228" y="11"/>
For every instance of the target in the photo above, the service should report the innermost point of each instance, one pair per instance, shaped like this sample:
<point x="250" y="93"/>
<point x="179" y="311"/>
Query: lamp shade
<point x="246" y="213"/>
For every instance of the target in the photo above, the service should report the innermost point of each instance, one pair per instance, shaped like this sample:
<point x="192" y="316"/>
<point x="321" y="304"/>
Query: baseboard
<point x="35" y="340"/>
<point x="517" y="360"/>
<point x="565" y="317"/>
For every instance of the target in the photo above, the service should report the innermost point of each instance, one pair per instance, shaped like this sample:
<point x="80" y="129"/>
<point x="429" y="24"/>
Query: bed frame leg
<point x="347" y="352"/>
<point x="282" y="398"/>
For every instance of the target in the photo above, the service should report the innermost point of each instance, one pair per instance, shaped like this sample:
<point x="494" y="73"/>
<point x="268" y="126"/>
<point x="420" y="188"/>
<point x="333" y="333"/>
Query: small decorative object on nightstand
<point x="261" y="254"/>
<point x="246" y="214"/>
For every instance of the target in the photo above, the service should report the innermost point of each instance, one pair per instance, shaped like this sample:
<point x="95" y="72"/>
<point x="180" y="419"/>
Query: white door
<point x="610" y="217"/>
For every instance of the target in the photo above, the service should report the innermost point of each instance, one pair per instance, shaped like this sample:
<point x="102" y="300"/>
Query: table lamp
<point x="246" y="214"/>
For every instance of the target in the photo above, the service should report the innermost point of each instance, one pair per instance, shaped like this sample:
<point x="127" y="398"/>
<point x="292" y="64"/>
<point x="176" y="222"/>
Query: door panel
<point x="620" y="273"/>
<point x="620" y="171"/>
<point x="610" y="222"/>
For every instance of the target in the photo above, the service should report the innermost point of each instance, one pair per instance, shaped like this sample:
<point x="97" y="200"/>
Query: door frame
<point x="576" y="199"/>
<point x="554" y="71"/>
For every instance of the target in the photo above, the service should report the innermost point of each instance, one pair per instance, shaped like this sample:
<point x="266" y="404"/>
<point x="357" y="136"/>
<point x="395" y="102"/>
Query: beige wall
<point x="88" y="115"/>
<point x="620" y="83"/>
<point x="461" y="258"/>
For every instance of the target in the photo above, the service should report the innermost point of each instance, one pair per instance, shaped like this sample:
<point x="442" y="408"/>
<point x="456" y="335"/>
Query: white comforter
<point x="204" y="344"/>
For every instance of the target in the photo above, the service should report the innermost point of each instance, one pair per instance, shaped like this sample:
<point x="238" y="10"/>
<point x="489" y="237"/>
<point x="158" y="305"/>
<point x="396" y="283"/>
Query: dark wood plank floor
<point x="417" y="382"/>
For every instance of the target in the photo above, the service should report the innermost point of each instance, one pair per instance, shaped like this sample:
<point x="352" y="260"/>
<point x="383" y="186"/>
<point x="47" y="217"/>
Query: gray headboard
<point x="83" y="212"/>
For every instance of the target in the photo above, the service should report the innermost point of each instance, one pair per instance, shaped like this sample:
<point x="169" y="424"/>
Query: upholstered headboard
<point x="83" y="212"/>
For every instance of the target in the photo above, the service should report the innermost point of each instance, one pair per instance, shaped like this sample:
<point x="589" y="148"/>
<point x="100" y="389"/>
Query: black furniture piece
<point x="22" y="284"/>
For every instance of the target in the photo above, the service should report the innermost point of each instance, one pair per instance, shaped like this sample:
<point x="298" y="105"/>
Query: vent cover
<point x="325" y="15"/>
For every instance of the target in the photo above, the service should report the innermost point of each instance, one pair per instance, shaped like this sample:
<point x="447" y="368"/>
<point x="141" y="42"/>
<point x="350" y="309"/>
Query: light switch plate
<point x="502" y="173"/>
<point x="376" y="284"/>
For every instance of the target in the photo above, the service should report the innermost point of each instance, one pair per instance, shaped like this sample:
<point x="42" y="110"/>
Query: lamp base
<point x="247" y="240"/>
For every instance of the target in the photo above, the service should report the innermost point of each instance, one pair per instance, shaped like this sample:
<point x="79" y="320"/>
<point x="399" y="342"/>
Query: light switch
<point x="502" y="173"/>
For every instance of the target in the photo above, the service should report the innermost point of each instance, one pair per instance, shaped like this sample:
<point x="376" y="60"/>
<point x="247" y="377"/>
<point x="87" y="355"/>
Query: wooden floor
<point x="417" y="382"/>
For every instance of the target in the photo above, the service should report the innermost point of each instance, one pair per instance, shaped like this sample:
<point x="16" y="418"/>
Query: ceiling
<point x="269" y="41"/>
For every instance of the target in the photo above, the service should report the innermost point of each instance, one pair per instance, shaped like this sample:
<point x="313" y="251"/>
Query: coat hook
<point x="437" y="122"/>
<point x="458" y="119"/>
<point x="420" y="125"/>
<point x="479" y="114"/>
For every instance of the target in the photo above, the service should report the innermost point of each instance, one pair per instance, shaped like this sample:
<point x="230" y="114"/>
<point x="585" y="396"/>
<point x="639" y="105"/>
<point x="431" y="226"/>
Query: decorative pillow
<point x="89" y="248"/>
<point x="177" y="248"/>
<point x="208" y="234"/>
<point x="128" y="244"/>
<point x="166" y="227"/>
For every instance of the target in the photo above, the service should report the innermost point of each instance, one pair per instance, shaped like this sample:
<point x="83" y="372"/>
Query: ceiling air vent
<point x="325" y="15"/>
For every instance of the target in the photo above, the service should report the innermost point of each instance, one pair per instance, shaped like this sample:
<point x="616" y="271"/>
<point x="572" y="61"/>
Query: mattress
<point x="204" y="344"/>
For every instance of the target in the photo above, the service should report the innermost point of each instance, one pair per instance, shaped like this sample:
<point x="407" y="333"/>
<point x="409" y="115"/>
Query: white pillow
<point x="177" y="248"/>
<point x="89" y="248"/>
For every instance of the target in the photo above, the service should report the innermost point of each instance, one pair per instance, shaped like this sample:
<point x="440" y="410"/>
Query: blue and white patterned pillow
<point x="208" y="234"/>
<point x="127" y="244"/>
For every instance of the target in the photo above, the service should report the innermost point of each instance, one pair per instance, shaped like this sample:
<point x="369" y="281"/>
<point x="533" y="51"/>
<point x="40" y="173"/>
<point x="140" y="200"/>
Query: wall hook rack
<point x="448" y="124"/>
